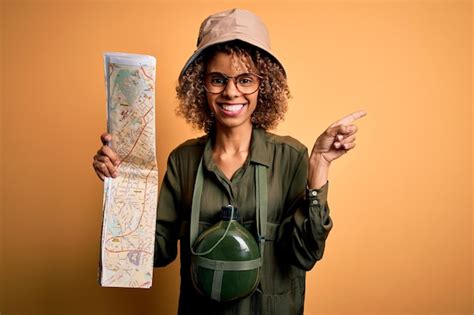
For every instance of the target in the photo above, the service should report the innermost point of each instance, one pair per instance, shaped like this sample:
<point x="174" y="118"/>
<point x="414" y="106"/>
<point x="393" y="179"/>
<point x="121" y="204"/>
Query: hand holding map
<point x="106" y="160"/>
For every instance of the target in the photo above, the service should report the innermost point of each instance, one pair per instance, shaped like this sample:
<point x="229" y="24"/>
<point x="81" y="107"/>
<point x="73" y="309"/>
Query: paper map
<point x="130" y="200"/>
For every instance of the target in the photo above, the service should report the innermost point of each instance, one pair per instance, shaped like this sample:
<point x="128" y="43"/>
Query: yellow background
<point x="401" y="201"/>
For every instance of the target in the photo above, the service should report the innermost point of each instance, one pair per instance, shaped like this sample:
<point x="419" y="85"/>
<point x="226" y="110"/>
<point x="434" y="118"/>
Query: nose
<point x="231" y="90"/>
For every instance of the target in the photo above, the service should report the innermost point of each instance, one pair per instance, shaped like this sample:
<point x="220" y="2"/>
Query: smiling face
<point x="231" y="108"/>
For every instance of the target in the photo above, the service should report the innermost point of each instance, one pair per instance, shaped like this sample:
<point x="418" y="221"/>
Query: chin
<point x="232" y="123"/>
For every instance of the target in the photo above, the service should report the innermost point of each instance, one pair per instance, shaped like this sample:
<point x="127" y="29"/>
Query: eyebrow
<point x="226" y="75"/>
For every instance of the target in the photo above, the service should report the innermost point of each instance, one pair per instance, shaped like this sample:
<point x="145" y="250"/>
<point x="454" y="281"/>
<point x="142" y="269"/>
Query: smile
<point x="231" y="109"/>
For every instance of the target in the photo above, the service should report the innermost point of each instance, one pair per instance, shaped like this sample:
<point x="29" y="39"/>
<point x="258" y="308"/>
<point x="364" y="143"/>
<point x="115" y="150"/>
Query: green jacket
<point x="297" y="228"/>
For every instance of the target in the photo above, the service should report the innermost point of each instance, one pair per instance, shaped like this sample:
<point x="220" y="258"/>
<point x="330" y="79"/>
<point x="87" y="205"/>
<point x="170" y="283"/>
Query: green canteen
<point x="225" y="264"/>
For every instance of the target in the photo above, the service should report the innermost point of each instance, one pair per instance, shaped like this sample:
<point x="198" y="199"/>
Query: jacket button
<point x="314" y="202"/>
<point x="314" y="193"/>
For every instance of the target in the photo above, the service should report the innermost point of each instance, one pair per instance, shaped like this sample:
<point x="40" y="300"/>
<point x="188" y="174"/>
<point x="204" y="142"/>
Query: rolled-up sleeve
<point x="303" y="232"/>
<point x="167" y="218"/>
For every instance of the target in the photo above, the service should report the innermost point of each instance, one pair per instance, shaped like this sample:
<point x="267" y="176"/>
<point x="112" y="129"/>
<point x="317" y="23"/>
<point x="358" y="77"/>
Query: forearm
<point x="303" y="232"/>
<point x="317" y="172"/>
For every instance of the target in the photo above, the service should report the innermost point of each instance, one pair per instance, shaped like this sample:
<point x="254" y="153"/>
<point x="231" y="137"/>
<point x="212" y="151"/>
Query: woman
<point x="234" y="88"/>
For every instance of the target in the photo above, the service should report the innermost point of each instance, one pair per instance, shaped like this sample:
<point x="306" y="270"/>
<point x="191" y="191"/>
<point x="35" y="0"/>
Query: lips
<point x="231" y="109"/>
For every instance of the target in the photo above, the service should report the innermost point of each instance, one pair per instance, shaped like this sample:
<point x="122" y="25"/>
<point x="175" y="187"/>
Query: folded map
<point x="130" y="200"/>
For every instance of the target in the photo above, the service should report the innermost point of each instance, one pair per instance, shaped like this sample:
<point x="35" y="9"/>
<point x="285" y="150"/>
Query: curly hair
<point x="273" y="93"/>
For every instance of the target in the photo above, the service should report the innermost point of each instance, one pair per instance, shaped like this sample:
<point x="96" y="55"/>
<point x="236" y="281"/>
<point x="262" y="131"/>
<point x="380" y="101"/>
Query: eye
<point x="218" y="80"/>
<point x="245" y="80"/>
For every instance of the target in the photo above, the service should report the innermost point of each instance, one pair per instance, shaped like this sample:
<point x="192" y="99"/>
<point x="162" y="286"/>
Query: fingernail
<point x="337" y="145"/>
<point x="114" y="174"/>
<point x="340" y="137"/>
<point x="116" y="162"/>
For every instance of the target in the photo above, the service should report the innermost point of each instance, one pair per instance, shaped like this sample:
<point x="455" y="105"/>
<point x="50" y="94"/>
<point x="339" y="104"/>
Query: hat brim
<point x="241" y="37"/>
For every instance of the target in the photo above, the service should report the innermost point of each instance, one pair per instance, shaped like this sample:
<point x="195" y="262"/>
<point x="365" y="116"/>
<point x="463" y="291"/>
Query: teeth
<point x="232" y="108"/>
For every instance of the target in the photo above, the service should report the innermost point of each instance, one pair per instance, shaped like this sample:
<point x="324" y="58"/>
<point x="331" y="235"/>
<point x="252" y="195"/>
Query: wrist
<point x="318" y="160"/>
<point x="318" y="171"/>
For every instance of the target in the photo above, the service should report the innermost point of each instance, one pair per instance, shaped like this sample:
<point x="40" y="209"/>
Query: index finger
<point x="111" y="154"/>
<point x="349" y="118"/>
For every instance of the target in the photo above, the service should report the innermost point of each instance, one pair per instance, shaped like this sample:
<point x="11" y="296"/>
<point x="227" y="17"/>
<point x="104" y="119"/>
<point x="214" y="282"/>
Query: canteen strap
<point x="196" y="204"/>
<point x="261" y="197"/>
<point x="219" y="266"/>
<point x="226" y="265"/>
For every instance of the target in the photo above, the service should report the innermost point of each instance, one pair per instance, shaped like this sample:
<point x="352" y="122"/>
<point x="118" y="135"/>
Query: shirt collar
<point x="259" y="147"/>
<point x="258" y="150"/>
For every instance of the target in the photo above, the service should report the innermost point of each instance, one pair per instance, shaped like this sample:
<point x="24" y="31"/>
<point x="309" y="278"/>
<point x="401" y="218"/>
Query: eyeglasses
<point x="246" y="83"/>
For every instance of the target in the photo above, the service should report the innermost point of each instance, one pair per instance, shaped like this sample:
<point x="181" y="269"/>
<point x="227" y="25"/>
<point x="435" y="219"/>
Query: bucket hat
<point x="233" y="24"/>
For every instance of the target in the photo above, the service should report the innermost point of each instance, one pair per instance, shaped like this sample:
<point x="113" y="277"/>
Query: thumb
<point x="106" y="138"/>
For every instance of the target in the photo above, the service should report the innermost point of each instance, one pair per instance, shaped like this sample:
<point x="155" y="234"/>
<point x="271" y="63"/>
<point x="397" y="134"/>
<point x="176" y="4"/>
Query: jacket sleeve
<point x="167" y="218"/>
<point x="302" y="234"/>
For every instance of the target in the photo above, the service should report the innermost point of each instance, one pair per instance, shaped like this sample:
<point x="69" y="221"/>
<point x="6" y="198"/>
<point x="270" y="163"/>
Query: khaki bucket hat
<point x="234" y="24"/>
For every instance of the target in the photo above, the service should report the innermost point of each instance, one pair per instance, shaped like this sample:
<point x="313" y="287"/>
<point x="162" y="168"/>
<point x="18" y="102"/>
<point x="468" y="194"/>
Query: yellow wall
<point x="401" y="201"/>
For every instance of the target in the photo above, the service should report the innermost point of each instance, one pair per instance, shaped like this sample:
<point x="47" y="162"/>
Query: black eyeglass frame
<point x="228" y="78"/>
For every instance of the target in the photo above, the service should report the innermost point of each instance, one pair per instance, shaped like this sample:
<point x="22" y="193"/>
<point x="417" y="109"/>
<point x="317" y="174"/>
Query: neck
<point x="233" y="140"/>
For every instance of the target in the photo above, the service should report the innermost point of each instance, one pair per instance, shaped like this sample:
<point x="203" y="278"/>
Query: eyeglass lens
<point x="246" y="83"/>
